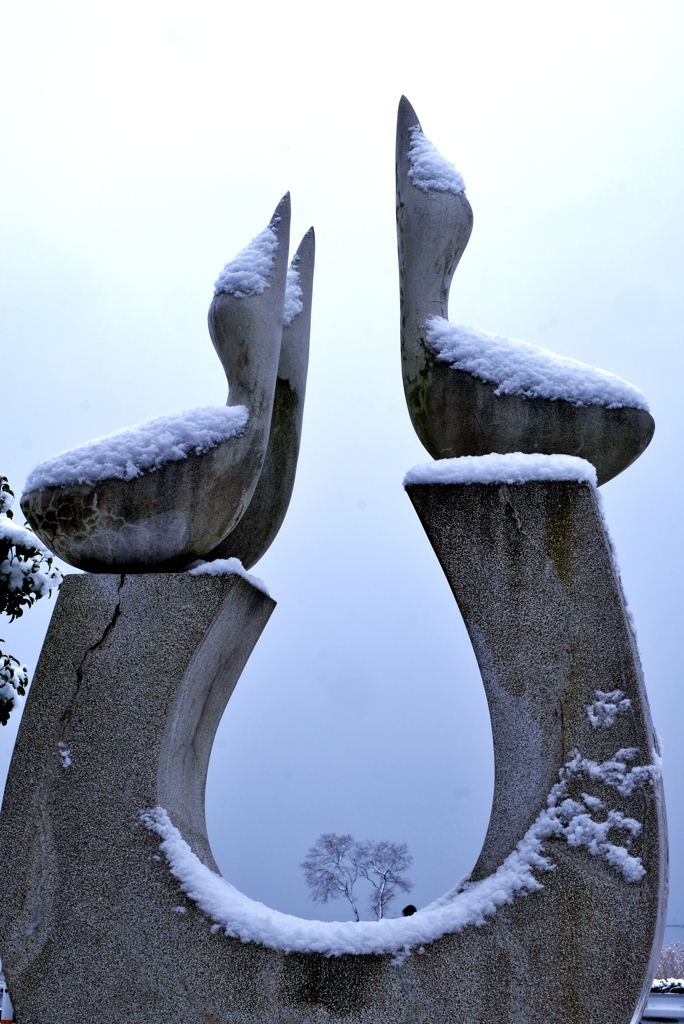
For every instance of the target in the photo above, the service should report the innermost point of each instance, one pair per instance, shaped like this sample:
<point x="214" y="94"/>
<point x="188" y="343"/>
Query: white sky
<point x="143" y="144"/>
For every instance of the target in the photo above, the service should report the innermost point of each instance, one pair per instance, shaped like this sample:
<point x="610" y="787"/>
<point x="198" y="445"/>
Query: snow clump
<point x="293" y="294"/>
<point x="430" y="171"/>
<point x="129" y="453"/>
<point x="247" y="273"/>
<point x="514" y="468"/>
<point x="606" y="707"/>
<point x="227" y="567"/>
<point x="22" y="539"/>
<point x="518" y="368"/>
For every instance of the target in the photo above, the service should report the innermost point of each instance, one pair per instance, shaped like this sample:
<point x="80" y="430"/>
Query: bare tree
<point x="331" y="869"/>
<point x="671" y="964"/>
<point x="334" y="863"/>
<point x="383" y="865"/>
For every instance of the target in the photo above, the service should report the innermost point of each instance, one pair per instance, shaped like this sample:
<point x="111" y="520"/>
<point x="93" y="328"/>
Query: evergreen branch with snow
<point x="27" y="573"/>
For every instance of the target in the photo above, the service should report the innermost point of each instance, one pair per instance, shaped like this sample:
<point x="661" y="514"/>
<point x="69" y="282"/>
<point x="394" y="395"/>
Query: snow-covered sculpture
<point x="472" y="393"/>
<point x="112" y="895"/>
<point x="166" y="493"/>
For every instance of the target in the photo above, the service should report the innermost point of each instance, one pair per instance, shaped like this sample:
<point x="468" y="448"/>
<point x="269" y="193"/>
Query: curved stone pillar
<point x="133" y="679"/>
<point x="128" y="693"/>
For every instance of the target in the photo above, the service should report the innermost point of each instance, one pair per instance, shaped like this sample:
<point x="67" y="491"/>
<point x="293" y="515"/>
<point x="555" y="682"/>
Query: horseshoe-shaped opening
<point x="360" y="734"/>
<point x="532" y="569"/>
<point x="533" y="575"/>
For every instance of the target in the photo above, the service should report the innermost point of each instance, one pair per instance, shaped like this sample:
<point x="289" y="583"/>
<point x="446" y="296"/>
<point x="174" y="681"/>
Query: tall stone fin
<point x="257" y="529"/>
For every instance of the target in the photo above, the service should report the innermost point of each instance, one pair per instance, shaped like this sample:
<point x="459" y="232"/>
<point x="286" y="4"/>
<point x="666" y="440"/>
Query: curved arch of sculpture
<point x="92" y="898"/>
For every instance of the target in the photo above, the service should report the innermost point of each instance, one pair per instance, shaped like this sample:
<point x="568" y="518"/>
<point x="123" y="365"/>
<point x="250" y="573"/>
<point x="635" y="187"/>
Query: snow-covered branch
<point x="27" y="573"/>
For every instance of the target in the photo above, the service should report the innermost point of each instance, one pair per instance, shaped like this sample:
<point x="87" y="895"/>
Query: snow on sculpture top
<point x="472" y="393"/>
<point x="248" y="273"/>
<point x="515" y="468"/>
<point x="518" y="368"/>
<point x="129" y="453"/>
<point x="228" y="567"/>
<point x="260" y="524"/>
<point x="430" y="170"/>
<point x="163" y="494"/>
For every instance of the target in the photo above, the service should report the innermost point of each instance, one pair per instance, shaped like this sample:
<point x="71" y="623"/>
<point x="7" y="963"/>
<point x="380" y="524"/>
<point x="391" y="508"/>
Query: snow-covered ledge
<point x="514" y="468"/>
<point x="226" y="567"/>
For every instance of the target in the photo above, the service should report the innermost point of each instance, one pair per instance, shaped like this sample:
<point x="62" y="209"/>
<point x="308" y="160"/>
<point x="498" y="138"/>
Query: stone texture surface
<point x="453" y="412"/>
<point x="133" y="678"/>
<point x="258" y="527"/>
<point x="165" y="519"/>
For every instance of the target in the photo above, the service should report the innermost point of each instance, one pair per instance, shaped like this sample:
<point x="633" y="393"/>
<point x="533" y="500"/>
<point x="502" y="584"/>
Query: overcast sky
<point x="143" y="144"/>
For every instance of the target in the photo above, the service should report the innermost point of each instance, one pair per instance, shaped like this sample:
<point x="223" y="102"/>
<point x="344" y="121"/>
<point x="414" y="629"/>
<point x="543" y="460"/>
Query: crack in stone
<point x="562" y="727"/>
<point x="68" y="713"/>
<point x="509" y="503"/>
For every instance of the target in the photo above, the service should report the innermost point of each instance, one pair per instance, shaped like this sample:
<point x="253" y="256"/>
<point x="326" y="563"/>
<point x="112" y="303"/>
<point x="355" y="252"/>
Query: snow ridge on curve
<point x="471" y="903"/>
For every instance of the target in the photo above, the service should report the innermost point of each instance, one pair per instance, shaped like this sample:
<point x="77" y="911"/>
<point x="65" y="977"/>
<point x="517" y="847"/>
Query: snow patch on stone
<point x="293" y="294"/>
<point x="228" y="567"/>
<point x="65" y="754"/>
<point x="615" y="772"/>
<point x="430" y="171"/>
<point x="247" y="274"/>
<point x="604" y="710"/>
<point x="563" y="818"/>
<point x="129" y="453"/>
<point x="514" y="468"/>
<point x="518" y="368"/>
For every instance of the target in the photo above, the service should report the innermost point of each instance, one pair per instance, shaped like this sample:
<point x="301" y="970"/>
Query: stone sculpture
<point x="569" y="888"/>
<point x="108" y="510"/>
<point x="257" y="529"/>
<point x="468" y="394"/>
